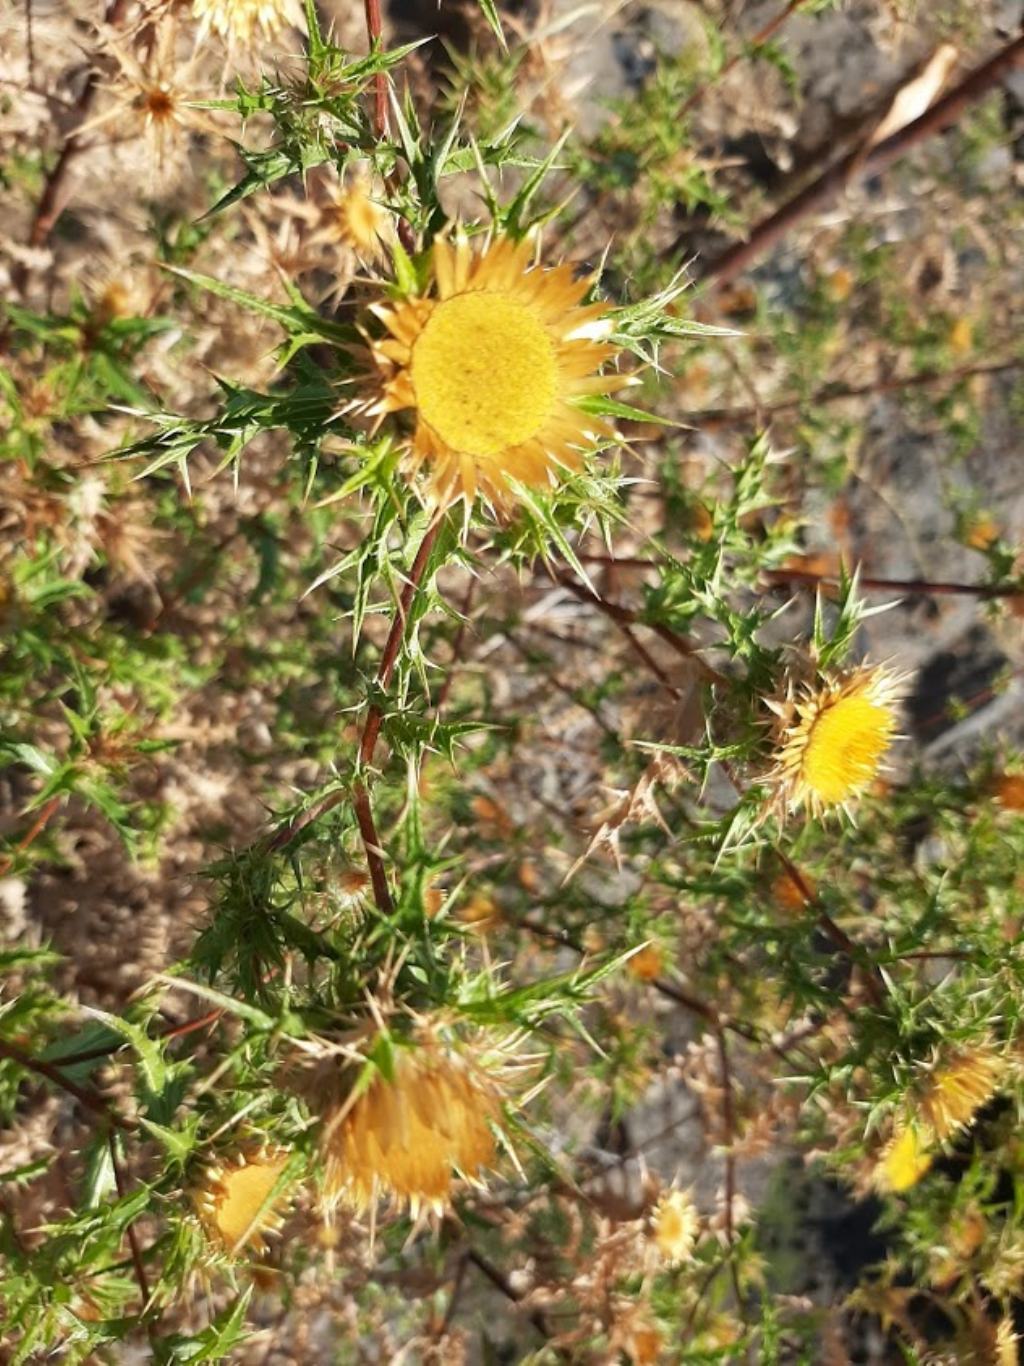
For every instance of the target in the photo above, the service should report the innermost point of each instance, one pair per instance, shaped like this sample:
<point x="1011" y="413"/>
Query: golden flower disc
<point x="833" y="740"/>
<point x="484" y="373"/>
<point x="493" y="363"/>
<point x="237" y="1203"/>
<point x="845" y="746"/>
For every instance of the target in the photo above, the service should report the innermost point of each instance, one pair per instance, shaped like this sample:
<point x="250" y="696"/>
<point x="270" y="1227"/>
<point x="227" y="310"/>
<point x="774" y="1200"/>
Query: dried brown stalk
<point x="943" y="114"/>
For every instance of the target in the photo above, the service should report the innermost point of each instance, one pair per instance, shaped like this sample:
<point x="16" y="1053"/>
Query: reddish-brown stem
<point x="372" y="847"/>
<point x="52" y="201"/>
<point x="375" y="718"/>
<point x="564" y="688"/>
<point x="856" y="164"/>
<point x="837" y="393"/>
<point x="374" y="29"/>
<point x="501" y="1282"/>
<point x="805" y="576"/>
<point x="37" y="827"/>
<point x="284" y="835"/>
<point x="759" y="39"/>
<point x="729" y="1123"/>
<point x="133" y="1237"/>
<point x="457" y="645"/>
<point x="931" y="586"/>
<point x="92" y="1100"/>
<point x="873" y="983"/>
<point x="393" y="644"/>
<point x="625" y="618"/>
<point x="171" y="1032"/>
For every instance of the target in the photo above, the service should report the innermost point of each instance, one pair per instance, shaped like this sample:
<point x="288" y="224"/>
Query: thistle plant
<point x="467" y="859"/>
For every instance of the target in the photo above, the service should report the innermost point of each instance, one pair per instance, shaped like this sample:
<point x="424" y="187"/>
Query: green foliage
<point x="252" y="568"/>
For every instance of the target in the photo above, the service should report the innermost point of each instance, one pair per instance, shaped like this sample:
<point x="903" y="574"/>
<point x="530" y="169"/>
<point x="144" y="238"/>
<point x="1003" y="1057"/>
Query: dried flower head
<point x="646" y="964"/>
<point x="244" y="22"/>
<point x="635" y="1333"/>
<point x="980" y="532"/>
<point x="493" y="362"/>
<point x="832" y="740"/>
<point x="154" y="98"/>
<point x="958" y="1089"/>
<point x="904" y="1160"/>
<point x="349" y="216"/>
<point x="792" y="895"/>
<point x="1007" y="1343"/>
<point x="480" y="912"/>
<point x="675" y="1225"/>
<point x="1008" y="790"/>
<point x="239" y="1200"/>
<point x="407" y="1136"/>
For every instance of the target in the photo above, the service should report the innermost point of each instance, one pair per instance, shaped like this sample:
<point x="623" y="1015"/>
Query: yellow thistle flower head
<point x="239" y="1200"/>
<point x="492" y="363"/>
<point x="243" y="22"/>
<point x="409" y="1135"/>
<point x="904" y="1160"/>
<point x="957" y="1089"/>
<point x="831" y="741"/>
<point x="675" y="1225"/>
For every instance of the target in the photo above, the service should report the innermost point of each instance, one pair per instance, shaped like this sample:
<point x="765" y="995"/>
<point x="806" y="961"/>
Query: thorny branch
<point x="625" y="618"/>
<point x="837" y="393"/>
<point x="873" y="981"/>
<point x="930" y="586"/>
<point x="42" y="820"/>
<point x="92" y="1100"/>
<point x="133" y="1237"/>
<point x="867" y="582"/>
<point x="290" y="830"/>
<point x="729" y="1121"/>
<point x="52" y="201"/>
<point x="375" y="718"/>
<point x="501" y="1282"/>
<point x="945" y="112"/>
<point x="374" y="29"/>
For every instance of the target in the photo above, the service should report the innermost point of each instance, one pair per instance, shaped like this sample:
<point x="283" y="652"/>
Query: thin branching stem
<point x="53" y="199"/>
<point x="856" y="165"/>
<point x="43" y="817"/>
<point x="873" y="982"/>
<point x="91" y="1100"/>
<point x="374" y="29"/>
<point x="762" y="36"/>
<point x="839" y="393"/>
<point x="729" y="1123"/>
<point x="375" y="717"/>
<point x="133" y="1237"/>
